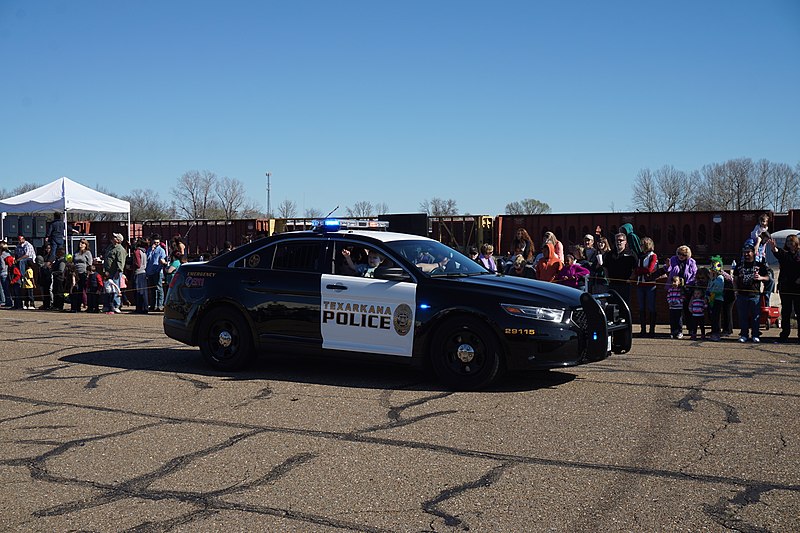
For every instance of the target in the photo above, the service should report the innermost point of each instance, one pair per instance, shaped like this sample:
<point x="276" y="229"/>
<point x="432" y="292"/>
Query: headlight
<point x="537" y="313"/>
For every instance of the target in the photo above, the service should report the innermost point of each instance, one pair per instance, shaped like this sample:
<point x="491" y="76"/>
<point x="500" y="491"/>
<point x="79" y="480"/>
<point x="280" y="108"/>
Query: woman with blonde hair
<point x="682" y="265"/>
<point x="550" y="237"/>
<point x="486" y="258"/>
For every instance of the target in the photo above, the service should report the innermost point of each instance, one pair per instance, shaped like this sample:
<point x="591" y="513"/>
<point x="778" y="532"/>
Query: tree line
<point x="736" y="184"/>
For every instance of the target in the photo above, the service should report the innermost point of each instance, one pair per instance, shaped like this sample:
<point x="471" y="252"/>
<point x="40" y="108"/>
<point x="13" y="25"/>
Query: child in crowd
<point x="111" y="289"/>
<point x="75" y="290"/>
<point x="697" y="313"/>
<point x="94" y="288"/>
<point x="760" y="236"/>
<point x="15" y="282"/>
<point x="716" y="298"/>
<point x="572" y="274"/>
<point x="675" y="301"/>
<point x="27" y="285"/>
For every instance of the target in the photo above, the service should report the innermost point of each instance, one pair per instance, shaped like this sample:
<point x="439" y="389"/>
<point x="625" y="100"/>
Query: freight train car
<point x="707" y="233"/>
<point x="202" y="237"/>
<point x="462" y="232"/>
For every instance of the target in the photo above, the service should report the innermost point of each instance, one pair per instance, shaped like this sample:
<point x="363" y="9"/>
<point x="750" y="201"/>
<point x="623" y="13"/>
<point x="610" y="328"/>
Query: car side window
<point x="259" y="259"/>
<point x="298" y="256"/>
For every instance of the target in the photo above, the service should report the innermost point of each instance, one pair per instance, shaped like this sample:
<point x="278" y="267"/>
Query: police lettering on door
<point x="368" y="316"/>
<point x="358" y="315"/>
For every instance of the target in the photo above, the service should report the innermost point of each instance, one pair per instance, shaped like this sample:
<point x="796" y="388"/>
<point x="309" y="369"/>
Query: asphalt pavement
<point x="107" y="425"/>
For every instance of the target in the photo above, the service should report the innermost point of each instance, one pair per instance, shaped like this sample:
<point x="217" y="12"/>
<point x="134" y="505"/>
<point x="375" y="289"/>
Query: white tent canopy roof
<point x="64" y="195"/>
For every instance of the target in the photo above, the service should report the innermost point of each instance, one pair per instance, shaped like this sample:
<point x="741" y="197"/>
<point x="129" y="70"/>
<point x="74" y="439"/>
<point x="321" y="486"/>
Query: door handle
<point x="337" y="287"/>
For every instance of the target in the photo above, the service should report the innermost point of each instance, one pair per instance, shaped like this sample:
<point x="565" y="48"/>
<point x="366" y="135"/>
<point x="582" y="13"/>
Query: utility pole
<point x="269" y="206"/>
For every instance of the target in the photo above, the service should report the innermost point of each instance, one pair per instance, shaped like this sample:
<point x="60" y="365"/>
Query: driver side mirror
<point x="391" y="274"/>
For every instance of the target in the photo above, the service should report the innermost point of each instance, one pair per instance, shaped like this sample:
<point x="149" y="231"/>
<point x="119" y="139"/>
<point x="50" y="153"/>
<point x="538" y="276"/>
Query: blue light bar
<point x="328" y="224"/>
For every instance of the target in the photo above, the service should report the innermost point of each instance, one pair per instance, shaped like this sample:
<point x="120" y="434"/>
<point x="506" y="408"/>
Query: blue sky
<point x="395" y="102"/>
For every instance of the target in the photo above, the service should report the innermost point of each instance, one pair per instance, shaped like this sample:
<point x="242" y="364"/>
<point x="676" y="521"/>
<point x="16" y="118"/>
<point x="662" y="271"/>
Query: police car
<point x="338" y="291"/>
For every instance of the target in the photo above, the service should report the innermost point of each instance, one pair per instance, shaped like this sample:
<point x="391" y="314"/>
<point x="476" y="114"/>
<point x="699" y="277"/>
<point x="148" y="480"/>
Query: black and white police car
<point x="334" y="291"/>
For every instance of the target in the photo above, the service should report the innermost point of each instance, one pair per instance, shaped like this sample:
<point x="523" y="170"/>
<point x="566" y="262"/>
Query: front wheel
<point x="225" y="340"/>
<point x="465" y="354"/>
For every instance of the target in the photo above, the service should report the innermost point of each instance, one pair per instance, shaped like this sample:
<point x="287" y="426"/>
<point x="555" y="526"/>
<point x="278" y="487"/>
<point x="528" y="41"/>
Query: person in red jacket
<point x="15" y="281"/>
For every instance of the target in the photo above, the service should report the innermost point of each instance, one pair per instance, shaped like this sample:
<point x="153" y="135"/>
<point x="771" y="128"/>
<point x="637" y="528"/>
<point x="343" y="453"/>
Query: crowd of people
<point x="80" y="282"/>
<point x="697" y="296"/>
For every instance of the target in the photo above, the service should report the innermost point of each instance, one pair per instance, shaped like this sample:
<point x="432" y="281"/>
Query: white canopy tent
<point x="65" y="195"/>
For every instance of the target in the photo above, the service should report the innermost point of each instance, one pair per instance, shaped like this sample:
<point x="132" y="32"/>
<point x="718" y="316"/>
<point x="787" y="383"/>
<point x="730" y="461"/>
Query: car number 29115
<point x="519" y="331"/>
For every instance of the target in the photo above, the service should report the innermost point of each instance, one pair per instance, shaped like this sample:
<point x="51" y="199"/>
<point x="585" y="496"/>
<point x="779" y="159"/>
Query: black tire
<point x="226" y="341"/>
<point x="465" y="354"/>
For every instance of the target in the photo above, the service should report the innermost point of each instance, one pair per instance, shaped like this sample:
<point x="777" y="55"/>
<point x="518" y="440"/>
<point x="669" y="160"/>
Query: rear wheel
<point x="465" y="354"/>
<point x="225" y="340"/>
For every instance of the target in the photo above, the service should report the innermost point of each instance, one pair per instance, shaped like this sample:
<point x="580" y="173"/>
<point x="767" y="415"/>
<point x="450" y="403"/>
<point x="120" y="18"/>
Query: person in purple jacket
<point x="572" y="274"/>
<point x="487" y="258"/>
<point x="682" y="265"/>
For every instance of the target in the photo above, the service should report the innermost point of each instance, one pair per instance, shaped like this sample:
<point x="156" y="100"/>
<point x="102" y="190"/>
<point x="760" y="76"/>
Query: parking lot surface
<point x="107" y="425"/>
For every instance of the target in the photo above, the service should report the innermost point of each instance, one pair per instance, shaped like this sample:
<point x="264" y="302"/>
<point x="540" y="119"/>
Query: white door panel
<point x="367" y="315"/>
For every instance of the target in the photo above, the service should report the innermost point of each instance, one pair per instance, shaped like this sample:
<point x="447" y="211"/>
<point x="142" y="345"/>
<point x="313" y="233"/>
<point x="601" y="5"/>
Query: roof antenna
<point x="332" y="210"/>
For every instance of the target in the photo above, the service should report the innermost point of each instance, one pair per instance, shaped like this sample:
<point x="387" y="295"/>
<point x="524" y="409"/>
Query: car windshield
<point x="436" y="259"/>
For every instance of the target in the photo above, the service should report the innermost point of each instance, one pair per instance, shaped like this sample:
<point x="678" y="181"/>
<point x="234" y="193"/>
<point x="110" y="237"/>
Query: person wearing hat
<point x="589" y="250"/>
<point x="114" y="264"/>
<point x="747" y="278"/>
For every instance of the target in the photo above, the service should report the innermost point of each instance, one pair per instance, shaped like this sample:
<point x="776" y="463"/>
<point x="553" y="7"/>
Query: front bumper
<point x="600" y="327"/>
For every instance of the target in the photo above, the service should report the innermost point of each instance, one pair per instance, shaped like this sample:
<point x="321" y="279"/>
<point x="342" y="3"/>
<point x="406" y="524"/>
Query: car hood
<point x="519" y="288"/>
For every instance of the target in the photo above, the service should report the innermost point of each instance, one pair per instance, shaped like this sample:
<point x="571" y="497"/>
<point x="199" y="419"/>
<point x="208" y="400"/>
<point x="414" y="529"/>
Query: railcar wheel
<point x="225" y="340"/>
<point x="465" y="354"/>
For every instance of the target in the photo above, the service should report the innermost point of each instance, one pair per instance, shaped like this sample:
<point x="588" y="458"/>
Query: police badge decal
<point x="402" y="319"/>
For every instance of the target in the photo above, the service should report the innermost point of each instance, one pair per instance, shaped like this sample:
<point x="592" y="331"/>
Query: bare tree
<point x="194" y="194"/>
<point x="778" y="186"/>
<point x="20" y="189"/>
<point x="528" y="206"/>
<point x="313" y="213"/>
<point x="381" y="208"/>
<point x="146" y="205"/>
<point x="438" y="207"/>
<point x="231" y="196"/>
<point x="360" y="209"/>
<point x="645" y="196"/>
<point x="287" y="209"/>
<point x="666" y="189"/>
<point x="251" y="209"/>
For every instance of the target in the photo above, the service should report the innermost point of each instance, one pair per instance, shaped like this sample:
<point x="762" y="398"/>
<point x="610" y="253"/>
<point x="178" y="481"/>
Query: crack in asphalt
<point x="433" y="506"/>
<point x="724" y="511"/>
<point x="394" y="413"/>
